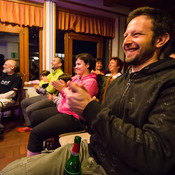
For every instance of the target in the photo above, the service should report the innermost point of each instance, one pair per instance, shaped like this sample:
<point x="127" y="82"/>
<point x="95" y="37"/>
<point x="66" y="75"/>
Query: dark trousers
<point x="31" y="104"/>
<point x="47" y="123"/>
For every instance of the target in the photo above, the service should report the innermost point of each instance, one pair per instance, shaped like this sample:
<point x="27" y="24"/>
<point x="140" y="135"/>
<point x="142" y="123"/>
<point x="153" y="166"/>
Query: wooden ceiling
<point x="166" y="5"/>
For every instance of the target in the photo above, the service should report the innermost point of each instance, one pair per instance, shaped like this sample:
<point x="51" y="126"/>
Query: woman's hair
<point x="98" y="59"/>
<point x="119" y="62"/>
<point x="45" y="73"/>
<point x="162" y="22"/>
<point x="87" y="58"/>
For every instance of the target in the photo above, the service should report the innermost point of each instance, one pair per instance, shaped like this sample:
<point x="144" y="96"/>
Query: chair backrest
<point x="17" y="104"/>
<point x="21" y="93"/>
<point x="101" y="80"/>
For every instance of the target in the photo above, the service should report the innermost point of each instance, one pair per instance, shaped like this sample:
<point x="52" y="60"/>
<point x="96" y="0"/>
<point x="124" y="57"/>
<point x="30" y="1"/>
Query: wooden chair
<point x="17" y="105"/>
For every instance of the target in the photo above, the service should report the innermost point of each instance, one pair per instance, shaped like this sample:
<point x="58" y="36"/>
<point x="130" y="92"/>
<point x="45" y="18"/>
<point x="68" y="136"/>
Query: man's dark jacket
<point x="134" y="129"/>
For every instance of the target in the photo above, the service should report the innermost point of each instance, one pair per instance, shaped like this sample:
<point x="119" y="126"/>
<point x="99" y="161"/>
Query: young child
<point x="57" y="97"/>
<point x="41" y="89"/>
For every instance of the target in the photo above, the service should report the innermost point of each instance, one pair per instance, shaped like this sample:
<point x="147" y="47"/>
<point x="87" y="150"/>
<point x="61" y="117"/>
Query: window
<point x="60" y="45"/>
<point x="9" y="46"/>
<point x="20" y="49"/>
<point x="33" y="53"/>
<point x="77" y="43"/>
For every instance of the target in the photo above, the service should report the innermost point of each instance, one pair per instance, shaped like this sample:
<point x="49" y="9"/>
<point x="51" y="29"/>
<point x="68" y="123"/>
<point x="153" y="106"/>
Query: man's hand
<point x="77" y="97"/>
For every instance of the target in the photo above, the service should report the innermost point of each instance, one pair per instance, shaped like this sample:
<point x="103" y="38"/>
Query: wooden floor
<point x="13" y="144"/>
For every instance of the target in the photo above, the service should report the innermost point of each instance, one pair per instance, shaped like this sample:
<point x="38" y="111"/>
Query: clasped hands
<point x="58" y="85"/>
<point x="77" y="97"/>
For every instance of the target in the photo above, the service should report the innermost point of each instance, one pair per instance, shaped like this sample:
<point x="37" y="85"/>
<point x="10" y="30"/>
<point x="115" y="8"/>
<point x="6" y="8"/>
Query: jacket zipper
<point x="122" y="97"/>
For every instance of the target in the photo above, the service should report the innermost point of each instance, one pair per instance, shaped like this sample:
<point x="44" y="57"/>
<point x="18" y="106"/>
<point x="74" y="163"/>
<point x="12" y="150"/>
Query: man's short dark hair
<point x="61" y="60"/>
<point x="162" y="22"/>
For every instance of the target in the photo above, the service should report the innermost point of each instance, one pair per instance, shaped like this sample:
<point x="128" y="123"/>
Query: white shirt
<point x="115" y="76"/>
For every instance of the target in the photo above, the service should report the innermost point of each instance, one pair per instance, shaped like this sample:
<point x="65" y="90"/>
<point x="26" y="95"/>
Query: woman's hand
<point x="58" y="85"/>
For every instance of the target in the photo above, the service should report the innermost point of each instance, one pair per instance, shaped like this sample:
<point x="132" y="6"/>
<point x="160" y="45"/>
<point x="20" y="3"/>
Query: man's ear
<point x="162" y="40"/>
<point x="60" y="64"/>
<point x="12" y="67"/>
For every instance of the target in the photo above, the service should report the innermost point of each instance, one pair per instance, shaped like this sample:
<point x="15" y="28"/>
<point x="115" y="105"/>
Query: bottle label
<point x="71" y="173"/>
<point x="76" y="148"/>
<point x="75" y="154"/>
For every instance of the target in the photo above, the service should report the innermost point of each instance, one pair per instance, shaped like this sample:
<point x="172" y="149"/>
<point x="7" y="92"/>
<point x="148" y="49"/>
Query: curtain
<point x="85" y="24"/>
<point x="22" y="14"/>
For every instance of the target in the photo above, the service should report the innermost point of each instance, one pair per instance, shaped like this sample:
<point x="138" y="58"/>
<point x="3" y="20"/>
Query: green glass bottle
<point x="73" y="165"/>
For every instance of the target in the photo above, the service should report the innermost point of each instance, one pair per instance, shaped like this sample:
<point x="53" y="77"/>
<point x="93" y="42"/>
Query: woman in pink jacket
<point x="51" y="121"/>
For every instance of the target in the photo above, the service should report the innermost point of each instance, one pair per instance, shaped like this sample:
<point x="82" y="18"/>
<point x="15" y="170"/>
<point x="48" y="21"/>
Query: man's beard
<point x="140" y="58"/>
<point x="6" y="71"/>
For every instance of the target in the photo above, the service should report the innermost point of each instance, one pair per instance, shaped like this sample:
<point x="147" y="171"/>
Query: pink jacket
<point x="89" y="82"/>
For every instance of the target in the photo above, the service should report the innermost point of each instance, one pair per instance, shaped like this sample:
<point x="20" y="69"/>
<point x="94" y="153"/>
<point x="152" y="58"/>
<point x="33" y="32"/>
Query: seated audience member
<point x="56" y="98"/>
<point x="98" y="67"/>
<point x="10" y="83"/>
<point x="133" y="129"/>
<point x="41" y="87"/>
<point x="34" y="103"/>
<point x="115" y="67"/>
<point x="51" y="121"/>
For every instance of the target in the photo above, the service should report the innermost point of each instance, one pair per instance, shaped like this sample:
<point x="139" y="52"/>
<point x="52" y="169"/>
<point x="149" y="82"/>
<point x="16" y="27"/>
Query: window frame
<point x="68" y="47"/>
<point x="24" y="46"/>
